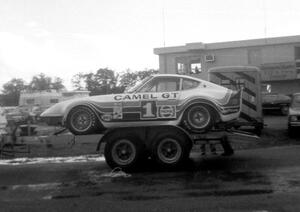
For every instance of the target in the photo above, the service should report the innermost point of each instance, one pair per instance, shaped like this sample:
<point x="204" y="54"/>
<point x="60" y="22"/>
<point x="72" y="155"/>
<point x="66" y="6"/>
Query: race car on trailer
<point x="156" y="118"/>
<point x="163" y="99"/>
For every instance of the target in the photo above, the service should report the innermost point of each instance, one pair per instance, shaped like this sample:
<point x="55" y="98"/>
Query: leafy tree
<point x="12" y="90"/>
<point x="102" y="82"/>
<point x="130" y="78"/>
<point x="106" y="81"/>
<point x="42" y="82"/>
<point x="78" y="81"/>
<point x="57" y="84"/>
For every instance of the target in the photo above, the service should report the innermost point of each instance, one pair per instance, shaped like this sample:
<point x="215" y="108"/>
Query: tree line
<point x="102" y="81"/>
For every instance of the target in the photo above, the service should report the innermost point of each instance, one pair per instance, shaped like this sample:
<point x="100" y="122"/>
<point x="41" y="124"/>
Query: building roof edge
<point x="228" y="44"/>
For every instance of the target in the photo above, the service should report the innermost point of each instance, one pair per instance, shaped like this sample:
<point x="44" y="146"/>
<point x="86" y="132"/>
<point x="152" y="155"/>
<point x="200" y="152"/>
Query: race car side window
<point x="162" y="85"/>
<point x="189" y="84"/>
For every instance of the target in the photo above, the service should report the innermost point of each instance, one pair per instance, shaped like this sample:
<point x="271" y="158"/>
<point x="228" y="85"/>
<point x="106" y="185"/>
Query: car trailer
<point x="169" y="146"/>
<point x="128" y="147"/>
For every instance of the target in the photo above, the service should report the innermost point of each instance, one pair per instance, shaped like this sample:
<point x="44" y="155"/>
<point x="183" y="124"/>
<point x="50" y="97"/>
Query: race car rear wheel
<point x="82" y="121"/>
<point x="170" y="150"/>
<point x="198" y="118"/>
<point x="124" y="151"/>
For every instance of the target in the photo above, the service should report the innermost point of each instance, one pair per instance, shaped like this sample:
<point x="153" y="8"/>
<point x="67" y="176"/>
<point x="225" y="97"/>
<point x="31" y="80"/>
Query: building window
<point x="196" y="68"/>
<point x="29" y="101"/>
<point x="181" y="68"/>
<point x="189" y="65"/>
<point x="53" y="101"/>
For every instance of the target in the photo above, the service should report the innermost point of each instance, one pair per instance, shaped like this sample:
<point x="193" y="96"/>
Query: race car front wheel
<point x="82" y="121"/>
<point x="198" y="118"/>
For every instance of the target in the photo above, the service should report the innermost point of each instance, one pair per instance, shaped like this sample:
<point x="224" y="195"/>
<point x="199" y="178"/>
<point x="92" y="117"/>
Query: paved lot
<point x="265" y="179"/>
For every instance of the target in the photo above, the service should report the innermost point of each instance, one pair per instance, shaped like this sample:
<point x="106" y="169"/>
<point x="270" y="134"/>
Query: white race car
<point x="162" y="99"/>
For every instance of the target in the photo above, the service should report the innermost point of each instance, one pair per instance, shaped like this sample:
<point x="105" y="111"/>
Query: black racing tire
<point x="198" y="118"/>
<point x="170" y="150"/>
<point x="124" y="151"/>
<point x="81" y="120"/>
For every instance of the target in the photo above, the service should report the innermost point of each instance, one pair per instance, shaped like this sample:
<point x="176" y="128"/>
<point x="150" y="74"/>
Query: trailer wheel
<point x="124" y="151"/>
<point x="170" y="150"/>
<point x="82" y="121"/>
<point x="198" y="118"/>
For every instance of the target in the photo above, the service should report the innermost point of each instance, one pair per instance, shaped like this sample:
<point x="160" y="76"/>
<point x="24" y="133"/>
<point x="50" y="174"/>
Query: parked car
<point x="276" y="102"/>
<point x="162" y="99"/>
<point x="294" y="114"/>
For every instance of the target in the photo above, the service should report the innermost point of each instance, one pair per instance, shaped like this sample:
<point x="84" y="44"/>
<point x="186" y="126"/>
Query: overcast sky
<point x="64" y="37"/>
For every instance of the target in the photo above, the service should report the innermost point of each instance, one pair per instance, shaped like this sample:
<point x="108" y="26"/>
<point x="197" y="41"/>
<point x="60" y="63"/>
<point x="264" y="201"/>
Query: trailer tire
<point x="198" y="118"/>
<point x="124" y="151"/>
<point x="170" y="150"/>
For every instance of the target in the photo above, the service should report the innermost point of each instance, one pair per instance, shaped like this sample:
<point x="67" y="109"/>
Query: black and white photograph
<point x="149" y="106"/>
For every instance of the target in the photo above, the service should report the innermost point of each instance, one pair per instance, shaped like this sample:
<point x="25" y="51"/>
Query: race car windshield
<point x="137" y="85"/>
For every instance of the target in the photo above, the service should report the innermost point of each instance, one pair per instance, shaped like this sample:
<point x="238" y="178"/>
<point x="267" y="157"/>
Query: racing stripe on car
<point x="218" y="102"/>
<point x="115" y="112"/>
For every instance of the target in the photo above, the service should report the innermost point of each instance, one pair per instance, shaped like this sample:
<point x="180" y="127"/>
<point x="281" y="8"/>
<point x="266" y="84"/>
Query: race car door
<point x="160" y="98"/>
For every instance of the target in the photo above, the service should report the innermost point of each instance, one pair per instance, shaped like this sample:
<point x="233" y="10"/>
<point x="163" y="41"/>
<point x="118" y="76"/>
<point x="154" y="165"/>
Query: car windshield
<point x="137" y="85"/>
<point x="296" y="101"/>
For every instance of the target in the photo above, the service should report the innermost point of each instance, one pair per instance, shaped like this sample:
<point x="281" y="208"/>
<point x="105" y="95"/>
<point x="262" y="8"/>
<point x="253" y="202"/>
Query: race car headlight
<point x="293" y="118"/>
